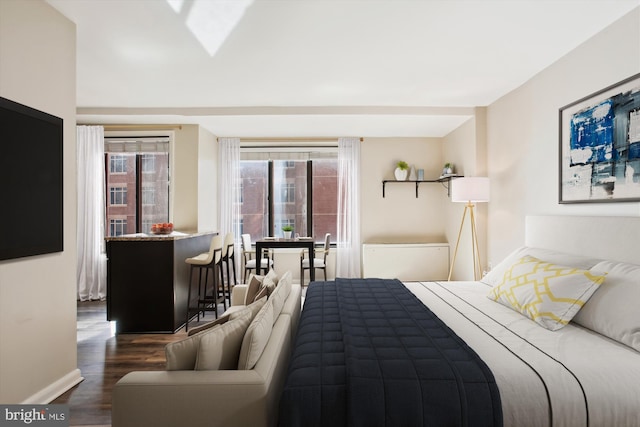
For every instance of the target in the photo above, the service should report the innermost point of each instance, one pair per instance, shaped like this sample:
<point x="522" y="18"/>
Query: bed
<point x="502" y="365"/>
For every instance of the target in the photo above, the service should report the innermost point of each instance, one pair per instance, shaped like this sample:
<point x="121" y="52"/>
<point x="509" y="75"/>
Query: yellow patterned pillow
<point x="548" y="294"/>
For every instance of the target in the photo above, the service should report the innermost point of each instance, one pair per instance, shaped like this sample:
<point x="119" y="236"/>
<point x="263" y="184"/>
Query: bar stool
<point x="204" y="262"/>
<point x="228" y="257"/>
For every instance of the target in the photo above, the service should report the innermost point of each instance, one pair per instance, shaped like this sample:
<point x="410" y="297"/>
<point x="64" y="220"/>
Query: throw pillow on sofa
<point x="254" y="307"/>
<point x="220" y="348"/>
<point x="182" y="355"/>
<point x="260" y="286"/>
<point x="219" y="321"/>
<point x="256" y="337"/>
<point x="254" y="286"/>
<point x="280" y="294"/>
<point x="270" y="281"/>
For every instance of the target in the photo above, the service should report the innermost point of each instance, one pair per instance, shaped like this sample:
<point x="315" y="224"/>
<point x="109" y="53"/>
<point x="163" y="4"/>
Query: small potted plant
<point x="448" y="169"/>
<point x="402" y="169"/>
<point x="287" y="230"/>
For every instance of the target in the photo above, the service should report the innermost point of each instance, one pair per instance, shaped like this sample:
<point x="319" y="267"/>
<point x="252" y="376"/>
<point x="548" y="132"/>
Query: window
<point x="118" y="196"/>
<point x="324" y="208"/>
<point x="117" y="164"/>
<point x="117" y="227"/>
<point x="146" y="225"/>
<point x="139" y="187"/>
<point x="303" y="194"/>
<point x="282" y="222"/>
<point x="148" y="196"/>
<point x="288" y="192"/>
<point x="254" y="205"/>
<point x="148" y="163"/>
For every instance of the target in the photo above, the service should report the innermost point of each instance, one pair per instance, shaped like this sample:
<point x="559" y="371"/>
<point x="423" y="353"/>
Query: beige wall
<point x="184" y="178"/>
<point x="400" y="215"/>
<point x="465" y="147"/>
<point x="38" y="294"/>
<point x="194" y="179"/>
<point x="207" y="181"/>
<point x="522" y="134"/>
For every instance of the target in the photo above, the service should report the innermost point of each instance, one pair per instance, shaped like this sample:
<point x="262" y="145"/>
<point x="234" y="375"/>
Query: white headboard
<point x="612" y="238"/>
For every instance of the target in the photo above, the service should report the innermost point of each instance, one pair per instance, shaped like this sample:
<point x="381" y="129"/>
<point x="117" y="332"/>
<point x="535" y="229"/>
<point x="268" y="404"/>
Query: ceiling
<point x="317" y="68"/>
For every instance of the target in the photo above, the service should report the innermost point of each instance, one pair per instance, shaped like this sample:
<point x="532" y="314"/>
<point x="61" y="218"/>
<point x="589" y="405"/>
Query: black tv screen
<point x="31" y="178"/>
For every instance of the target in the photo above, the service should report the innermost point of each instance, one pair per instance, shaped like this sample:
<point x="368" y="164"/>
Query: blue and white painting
<point x="592" y="134"/>
<point x="601" y="147"/>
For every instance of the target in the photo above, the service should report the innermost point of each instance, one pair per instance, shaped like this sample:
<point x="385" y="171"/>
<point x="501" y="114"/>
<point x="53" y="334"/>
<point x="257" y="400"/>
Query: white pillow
<point x="270" y="281"/>
<point x="254" y="307"/>
<point x="280" y="294"/>
<point x="220" y="348"/>
<point x="547" y="293"/>
<point x="181" y="355"/>
<point x="256" y="337"/>
<point x="495" y="276"/>
<point x="613" y="310"/>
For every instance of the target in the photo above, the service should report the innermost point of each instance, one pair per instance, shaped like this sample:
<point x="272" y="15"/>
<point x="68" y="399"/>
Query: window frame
<point x="274" y="226"/>
<point x="114" y="191"/>
<point x="270" y="191"/>
<point x="119" y="223"/>
<point x="147" y="159"/>
<point x="146" y="192"/>
<point x="145" y="145"/>
<point x="117" y="159"/>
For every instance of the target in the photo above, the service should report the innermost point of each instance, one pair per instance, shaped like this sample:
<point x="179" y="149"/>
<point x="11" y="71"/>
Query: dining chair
<point x="319" y="263"/>
<point x="211" y="260"/>
<point x="249" y="257"/>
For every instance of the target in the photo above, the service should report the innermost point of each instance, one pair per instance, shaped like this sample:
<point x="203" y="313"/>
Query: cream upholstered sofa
<point x="224" y="397"/>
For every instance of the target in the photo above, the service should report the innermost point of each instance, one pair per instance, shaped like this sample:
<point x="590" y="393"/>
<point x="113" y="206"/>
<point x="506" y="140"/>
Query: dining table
<point x="280" y="243"/>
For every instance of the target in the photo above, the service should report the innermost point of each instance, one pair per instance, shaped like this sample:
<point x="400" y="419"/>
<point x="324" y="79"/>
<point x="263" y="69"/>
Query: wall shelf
<point x="444" y="180"/>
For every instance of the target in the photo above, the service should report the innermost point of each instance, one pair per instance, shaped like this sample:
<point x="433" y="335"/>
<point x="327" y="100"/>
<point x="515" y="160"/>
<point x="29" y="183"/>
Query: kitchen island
<point x="148" y="279"/>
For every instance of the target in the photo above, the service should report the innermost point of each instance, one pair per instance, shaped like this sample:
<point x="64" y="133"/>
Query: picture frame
<point x="599" y="138"/>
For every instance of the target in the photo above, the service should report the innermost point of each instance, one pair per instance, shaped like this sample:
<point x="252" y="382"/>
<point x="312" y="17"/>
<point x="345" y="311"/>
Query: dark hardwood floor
<point x="103" y="359"/>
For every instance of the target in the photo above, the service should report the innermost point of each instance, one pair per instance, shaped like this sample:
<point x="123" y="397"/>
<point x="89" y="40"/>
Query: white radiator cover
<point x="409" y="262"/>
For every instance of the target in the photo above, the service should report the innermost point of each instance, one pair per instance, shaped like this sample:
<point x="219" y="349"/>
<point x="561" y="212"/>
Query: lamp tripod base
<point x="477" y="274"/>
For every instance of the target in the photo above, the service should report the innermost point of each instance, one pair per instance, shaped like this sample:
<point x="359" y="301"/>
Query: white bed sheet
<point x="544" y="377"/>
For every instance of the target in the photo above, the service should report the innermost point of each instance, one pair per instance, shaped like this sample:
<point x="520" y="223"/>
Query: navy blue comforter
<point x="369" y="353"/>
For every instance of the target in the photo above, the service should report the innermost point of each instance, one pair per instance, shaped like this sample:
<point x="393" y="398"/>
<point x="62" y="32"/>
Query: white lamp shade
<point x="474" y="189"/>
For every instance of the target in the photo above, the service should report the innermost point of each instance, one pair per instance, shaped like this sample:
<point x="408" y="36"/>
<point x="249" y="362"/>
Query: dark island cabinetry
<point x="147" y="280"/>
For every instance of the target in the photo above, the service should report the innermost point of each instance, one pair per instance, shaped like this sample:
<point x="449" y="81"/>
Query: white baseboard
<point x="55" y="389"/>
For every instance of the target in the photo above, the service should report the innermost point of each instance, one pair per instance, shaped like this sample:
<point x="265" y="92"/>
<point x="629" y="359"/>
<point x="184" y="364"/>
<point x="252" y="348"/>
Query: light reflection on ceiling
<point x="211" y="21"/>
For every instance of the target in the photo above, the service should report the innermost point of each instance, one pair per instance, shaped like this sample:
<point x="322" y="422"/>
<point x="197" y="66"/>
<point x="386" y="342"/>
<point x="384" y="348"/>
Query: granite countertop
<point x="175" y="235"/>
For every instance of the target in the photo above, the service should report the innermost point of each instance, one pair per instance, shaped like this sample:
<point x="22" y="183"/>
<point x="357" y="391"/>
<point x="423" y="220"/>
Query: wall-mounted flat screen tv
<point x="31" y="216"/>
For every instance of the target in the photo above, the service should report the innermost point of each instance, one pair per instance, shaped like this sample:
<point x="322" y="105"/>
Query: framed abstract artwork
<point x="600" y="146"/>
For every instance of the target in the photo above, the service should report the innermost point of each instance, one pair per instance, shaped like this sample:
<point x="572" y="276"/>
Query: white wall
<point x="38" y="358"/>
<point x="522" y="134"/>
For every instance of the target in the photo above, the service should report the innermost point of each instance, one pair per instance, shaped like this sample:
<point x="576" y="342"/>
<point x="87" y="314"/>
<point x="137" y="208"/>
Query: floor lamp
<point x="469" y="191"/>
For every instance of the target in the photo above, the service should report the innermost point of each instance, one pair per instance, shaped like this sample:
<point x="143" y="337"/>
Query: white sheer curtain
<point x="92" y="260"/>
<point x="348" y="253"/>
<point x="229" y="190"/>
